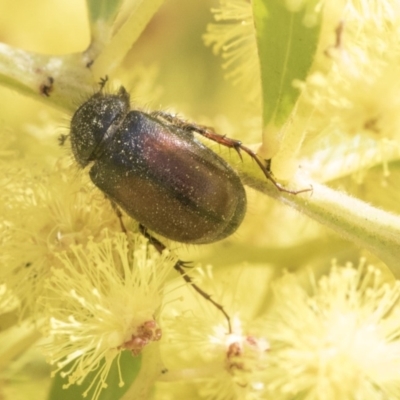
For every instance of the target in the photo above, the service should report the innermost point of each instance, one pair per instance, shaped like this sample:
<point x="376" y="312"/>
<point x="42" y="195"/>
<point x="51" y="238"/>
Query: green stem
<point x="55" y="80"/>
<point x="150" y="370"/>
<point x="366" y="226"/>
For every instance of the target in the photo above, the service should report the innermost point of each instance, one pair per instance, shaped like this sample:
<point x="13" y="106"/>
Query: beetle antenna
<point x="179" y="266"/>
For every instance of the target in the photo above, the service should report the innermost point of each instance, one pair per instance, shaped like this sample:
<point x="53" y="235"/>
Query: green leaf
<point x="130" y="367"/>
<point x="102" y="10"/>
<point x="286" y="46"/>
<point x="113" y="52"/>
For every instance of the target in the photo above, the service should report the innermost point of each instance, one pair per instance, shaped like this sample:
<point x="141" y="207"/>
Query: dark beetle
<point x="157" y="171"/>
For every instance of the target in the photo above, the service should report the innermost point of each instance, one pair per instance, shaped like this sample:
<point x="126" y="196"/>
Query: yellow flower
<point x="342" y="341"/>
<point x="198" y="349"/>
<point x="44" y="213"/>
<point x="234" y="37"/>
<point x="8" y="301"/>
<point x="104" y="300"/>
<point x="97" y="294"/>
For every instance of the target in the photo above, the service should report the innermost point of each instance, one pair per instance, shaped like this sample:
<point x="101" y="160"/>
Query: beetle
<point x="157" y="172"/>
<point x="153" y="167"/>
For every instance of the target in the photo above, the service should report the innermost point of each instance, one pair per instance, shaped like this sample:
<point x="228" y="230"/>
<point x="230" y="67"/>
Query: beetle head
<point x="94" y="121"/>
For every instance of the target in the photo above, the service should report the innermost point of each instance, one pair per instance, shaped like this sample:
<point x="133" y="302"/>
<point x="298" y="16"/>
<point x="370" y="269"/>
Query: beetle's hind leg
<point x="179" y="266"/>
<point x="209" y="133"/>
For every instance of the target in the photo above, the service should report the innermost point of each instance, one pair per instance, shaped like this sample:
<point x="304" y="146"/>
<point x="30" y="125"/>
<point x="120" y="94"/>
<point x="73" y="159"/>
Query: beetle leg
<point x="167" y="117"/>
<point x="103" y="82"/>
<point x="119" y="216"/>
<point x="237" y="145"/>
<point x="62" y="139"/>
<point x="264" y="165"/>
<point x="179" y="266"/>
